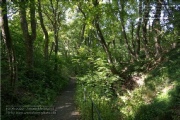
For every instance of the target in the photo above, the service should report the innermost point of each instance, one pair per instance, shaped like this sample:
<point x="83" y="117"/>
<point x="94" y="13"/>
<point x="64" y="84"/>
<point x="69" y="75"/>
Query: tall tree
<point x="53" y="14"/>
<point x="46" y="50"/>
<point x="6" y="37"/>
<point x="29" y="37"/>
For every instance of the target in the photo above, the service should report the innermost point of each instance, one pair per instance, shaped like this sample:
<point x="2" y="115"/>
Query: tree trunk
<point x="138" y="41"/>
<point x="131" y="53"/>
<point x="8" y="42"/>
<point x="55" y="21"/>
<point x="29" y="38"/>
<point x="144" y="28"/>
<point x="46" y="45"/>
<point x="157" y="28"/>
<point x="56" y="48"/>
<point x="82" y="34"/>
<point x="82" y="38"/>
<point x="51" y="49"/>
<point x="103" y="42"/>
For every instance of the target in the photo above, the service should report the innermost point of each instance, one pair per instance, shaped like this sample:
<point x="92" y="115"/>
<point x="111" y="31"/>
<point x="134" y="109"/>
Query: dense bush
<point x="97" y="86"/>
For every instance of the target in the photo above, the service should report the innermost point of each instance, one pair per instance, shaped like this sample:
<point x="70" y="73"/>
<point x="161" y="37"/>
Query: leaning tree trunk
<point x="103" y="42"/>
<point x="46" y="50"/>
<point x="121" y="11"/>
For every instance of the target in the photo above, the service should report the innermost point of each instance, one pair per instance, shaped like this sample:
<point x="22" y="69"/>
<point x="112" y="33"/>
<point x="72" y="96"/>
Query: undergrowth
<point x="157" y="99"/>
<point x="96" y="88"/>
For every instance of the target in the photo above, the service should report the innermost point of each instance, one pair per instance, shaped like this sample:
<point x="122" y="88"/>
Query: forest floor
<point x="64" y="105"/>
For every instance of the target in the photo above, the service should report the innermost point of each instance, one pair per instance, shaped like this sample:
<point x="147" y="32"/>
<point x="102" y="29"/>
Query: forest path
<point x="65" y="106"/>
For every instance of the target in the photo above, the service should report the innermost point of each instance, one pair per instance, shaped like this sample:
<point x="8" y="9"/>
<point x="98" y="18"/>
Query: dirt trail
<point x="65" y="106"/>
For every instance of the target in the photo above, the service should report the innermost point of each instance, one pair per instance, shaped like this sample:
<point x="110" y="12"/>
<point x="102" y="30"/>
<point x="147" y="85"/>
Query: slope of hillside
<point x="159" y="97"/>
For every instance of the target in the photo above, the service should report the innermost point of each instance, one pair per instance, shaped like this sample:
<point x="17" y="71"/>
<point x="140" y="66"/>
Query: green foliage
<point x="97" y="85"/>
